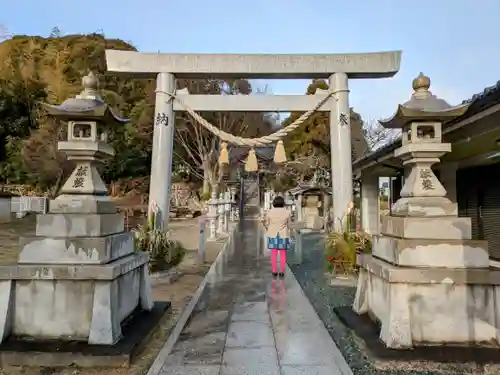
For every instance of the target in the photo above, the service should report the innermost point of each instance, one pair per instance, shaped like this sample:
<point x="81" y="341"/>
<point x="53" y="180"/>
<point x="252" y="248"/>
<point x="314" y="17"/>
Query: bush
<point x="164" y="252"/>
<point x="342" y="247"/>
<point x="205" y="197"/>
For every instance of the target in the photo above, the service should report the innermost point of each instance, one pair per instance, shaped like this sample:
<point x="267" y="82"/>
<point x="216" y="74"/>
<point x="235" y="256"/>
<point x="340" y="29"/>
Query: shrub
<point x="342" y="247"/>
<point x="164" y="252"/>
<point x="205" y="197"/>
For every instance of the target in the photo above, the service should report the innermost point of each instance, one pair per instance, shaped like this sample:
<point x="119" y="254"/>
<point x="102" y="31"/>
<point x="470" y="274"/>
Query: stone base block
<point x="83" y="303"/>
<point x="418" y="307"/>
<point x="79" y="225"/>
<point x="83" y="250"/>
<point x="424" y="207"/>
<point x="448" y="359"/>
<point x="431" y="253"/>
<point x="440" y="228"/>
<point x="54" y="353"/>
<point x="83" y="204"/>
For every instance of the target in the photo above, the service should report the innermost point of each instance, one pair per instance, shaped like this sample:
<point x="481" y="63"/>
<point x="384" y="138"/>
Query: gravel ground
<point x="324" y="298"/>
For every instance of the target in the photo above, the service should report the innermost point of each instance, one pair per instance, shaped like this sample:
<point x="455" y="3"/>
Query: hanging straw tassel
<point x="224" y="154"/>
<point x="251" y="165"/>
<point x="279" y="153"/>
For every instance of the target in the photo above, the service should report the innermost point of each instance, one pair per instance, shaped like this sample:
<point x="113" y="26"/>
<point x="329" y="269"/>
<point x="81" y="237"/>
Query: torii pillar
<point x="337" y="68"/>
<point x="340" y="146"/>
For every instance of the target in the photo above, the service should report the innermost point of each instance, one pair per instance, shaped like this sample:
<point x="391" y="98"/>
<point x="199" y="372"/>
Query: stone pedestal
<point x="78" y="278"/>
<point x="429" y="306"/>
<point x="428" y="283"/>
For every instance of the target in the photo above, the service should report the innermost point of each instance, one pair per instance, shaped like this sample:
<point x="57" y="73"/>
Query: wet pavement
<point x="248" y="322"/>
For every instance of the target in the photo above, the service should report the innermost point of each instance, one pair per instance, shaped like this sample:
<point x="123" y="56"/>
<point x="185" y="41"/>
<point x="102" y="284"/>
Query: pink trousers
<point x="274" y="254"/>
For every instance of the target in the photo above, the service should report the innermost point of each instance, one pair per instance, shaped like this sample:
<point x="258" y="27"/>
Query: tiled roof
<point x="491" y="90"/>
<point x="481" y="101"/>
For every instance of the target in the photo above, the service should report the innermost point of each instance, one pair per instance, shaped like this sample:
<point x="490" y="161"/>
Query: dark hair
<point x="279" y="201"/>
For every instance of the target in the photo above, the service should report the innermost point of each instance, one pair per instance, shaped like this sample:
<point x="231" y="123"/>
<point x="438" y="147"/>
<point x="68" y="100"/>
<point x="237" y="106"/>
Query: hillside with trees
<point x="50" y="69"/>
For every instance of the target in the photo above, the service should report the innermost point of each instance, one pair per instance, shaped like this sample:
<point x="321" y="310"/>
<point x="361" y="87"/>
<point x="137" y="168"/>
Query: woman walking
<point x="277" y="224"/>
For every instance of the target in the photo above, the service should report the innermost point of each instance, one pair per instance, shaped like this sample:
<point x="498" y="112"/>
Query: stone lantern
<point x="420" y="120"/>
<point x="88" y="122"/>
<point x="79" y="276"/>
<point x="424" y="268"/>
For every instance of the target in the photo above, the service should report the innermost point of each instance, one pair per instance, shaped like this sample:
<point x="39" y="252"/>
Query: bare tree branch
<point x="200" y="146"/>
<point x="191" y="169"/>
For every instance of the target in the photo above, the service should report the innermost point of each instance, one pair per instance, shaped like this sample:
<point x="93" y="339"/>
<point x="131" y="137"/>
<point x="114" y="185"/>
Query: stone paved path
<point x="250" y="323"/>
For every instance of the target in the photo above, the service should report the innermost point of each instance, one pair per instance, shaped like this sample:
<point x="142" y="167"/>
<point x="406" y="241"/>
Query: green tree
<point x="50" y="69"/>
<point x="18" y="117"/>
<point x="308" y="148"/>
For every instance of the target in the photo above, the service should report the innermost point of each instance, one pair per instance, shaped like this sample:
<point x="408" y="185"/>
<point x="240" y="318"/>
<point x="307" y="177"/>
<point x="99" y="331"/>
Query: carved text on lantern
<point x="78" y="182"/>
<point x="425" y="175"/>
<point x="82" y="170"/>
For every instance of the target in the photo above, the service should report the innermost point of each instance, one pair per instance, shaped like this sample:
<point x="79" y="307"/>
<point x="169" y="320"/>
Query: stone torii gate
<point x="337" y="68"/>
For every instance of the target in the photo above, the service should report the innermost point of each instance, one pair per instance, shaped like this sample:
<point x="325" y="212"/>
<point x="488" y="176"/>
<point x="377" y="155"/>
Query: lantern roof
<point x="423" y="106"/>
<point x="88" y="105"/>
